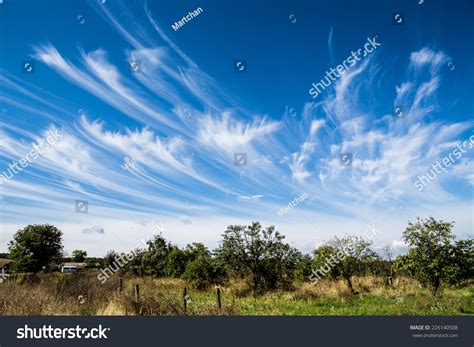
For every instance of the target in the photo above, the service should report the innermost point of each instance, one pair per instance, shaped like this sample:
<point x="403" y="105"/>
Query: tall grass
<point x="83" y="294"/>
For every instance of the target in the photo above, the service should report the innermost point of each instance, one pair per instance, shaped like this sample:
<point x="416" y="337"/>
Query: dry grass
<point x="324" y="288"/>
<point x="82" y="294"/>
<point x="53" y="294"/>
<point x="239" y="288"/>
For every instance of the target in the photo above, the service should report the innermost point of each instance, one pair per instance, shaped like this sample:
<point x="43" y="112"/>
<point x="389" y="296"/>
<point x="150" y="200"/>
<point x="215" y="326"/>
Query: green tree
<point x="109" y="258"/>
<point x="35" y="247"/>
<point x="79" y="255"/>
<point x="345" y="257"/>
<point x="323" y="257"/>
<point x="156" y="255"/>
<point x="462" y="262"/>
<point x="202" y="270"/>
<point x="197" y="249"/>
<point x="176" y="262"/>
<point x="137" y="264"/>
<point x="303" y="269"/>
<point x="433" y="257"/>
<point x="259" y="253"/>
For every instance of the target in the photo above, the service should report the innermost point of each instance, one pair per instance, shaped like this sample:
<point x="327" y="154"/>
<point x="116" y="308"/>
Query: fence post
<point x="120" y="288"/>
<point x="136" y="291"/>
<point x="184" y="298"/>
<point x="218" y="298"/>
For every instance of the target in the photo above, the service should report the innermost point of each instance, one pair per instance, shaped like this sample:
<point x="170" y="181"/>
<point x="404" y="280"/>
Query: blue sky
<point x="187" y="111"/>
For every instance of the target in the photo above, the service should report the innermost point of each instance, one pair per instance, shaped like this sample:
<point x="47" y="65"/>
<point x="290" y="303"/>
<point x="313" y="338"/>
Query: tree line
<point x="262" y="257"/>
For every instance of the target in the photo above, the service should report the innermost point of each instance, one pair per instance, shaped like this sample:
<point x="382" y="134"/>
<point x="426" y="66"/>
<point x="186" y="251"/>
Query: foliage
<point x="137" y="264"/>
<point x="345" y="258"/>
<point x="176" y="262"/>
<point x="79" y="255"/>
<point x="202" y="270"/>
<point x="109" y="258"/>
<point x="155" y="257"/>
<point x="260" y="253"/>
<point x="462" y="262"/>
<point x="260" y="257"/>
<point x="93" y="262"/>
<point x="35" y="247"/>
<point x="321" y="255"/>
<point x="303" y="269"/>
<point x="432" y="256"/>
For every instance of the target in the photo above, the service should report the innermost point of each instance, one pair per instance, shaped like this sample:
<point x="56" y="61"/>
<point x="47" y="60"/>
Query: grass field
<point x="82" y="294"/>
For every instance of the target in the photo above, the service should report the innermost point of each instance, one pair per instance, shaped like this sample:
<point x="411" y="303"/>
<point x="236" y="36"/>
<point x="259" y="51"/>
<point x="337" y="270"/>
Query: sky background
<point x="188" y="110"/>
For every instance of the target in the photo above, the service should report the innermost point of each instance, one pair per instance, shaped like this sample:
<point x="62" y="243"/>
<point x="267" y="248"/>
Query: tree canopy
<point x="261" y="257"/>
<point x="261" y="253"/>
<point x="433" y="256"/>
<point x="79" y="255"/>
<point x="34" y="247"/>
<point x="344" y="257"/>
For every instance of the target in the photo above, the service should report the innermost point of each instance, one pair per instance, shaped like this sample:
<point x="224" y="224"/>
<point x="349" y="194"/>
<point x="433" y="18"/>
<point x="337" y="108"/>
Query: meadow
<point x="82" y="294"/>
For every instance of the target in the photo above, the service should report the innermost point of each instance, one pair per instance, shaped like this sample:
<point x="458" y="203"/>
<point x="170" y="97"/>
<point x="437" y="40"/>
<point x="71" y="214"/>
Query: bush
<point x="303" y="269"/>
<point x="177" y="261"/>
<point x="203" y="272"/>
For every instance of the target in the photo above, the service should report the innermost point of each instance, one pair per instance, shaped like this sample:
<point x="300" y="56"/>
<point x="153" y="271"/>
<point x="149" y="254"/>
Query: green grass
<point x="452" y="302"/>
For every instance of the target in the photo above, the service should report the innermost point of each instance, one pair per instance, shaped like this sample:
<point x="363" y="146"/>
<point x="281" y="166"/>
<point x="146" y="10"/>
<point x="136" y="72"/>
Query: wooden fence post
<point x="184" y="298"/>
<point x="136" y="291"/>
<point x="120" y="288"/>
<point x="218" y="298"/>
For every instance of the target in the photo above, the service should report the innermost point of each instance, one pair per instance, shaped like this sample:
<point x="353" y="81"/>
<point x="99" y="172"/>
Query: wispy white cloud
<point x="183" y="132"/>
